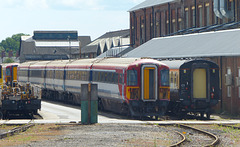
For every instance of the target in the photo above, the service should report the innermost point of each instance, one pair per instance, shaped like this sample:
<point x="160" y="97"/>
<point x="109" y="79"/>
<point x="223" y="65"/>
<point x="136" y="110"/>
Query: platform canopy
<point x="210" y="44"/>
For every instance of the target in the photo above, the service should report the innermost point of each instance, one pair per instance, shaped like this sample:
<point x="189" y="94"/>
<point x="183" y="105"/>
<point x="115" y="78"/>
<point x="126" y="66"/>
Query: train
<point x="9" y="71"/>
<point x="138" y="87"/>
<point x="15" y="99"/>
<point x="194" y="87"/>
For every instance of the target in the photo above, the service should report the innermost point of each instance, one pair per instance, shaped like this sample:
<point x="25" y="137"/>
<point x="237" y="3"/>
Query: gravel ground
<point x="114" y="135"/>
<point x="110" y="135"/>
<point x="102" y="135"/>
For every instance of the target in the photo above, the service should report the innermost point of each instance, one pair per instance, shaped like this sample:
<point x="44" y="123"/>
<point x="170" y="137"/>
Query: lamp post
<point x="70" y="55"/>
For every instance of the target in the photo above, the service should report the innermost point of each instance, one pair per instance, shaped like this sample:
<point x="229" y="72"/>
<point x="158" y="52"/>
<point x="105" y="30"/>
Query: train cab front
<point x="199" y="90"/>
<point x="149" y="95"/>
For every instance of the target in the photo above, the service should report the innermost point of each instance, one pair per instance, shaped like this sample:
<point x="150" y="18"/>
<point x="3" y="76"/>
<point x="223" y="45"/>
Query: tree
<point x="8" y="60"/>
<point x="11" y="43"/>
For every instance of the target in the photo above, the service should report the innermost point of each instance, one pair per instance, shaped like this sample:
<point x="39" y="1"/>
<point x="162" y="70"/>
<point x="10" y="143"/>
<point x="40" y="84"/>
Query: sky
<point x="89" y="17"/>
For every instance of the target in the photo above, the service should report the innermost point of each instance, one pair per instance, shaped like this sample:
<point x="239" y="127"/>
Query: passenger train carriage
<point x="194" y="86"/>
<point x="139" y="87"/>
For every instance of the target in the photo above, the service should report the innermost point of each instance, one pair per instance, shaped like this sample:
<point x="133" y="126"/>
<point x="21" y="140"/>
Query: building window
<point x="207" y="14"/>
<point x="151" y="26"/>
<point x="193" y="16"/>
<point x="238" y="83"/>
<point x="230" y="6"/>
<point x="157" y="24"/>
<point x="200" y="16"/>
<point x="173" y="30"/>
<point x="229" y="87"/>
<point x="167" y="22"/>
<point x="142" y="32"/>
<point x="186" y="18"/>
<point x="179" y="19"/>
<point x="162" y="18"/>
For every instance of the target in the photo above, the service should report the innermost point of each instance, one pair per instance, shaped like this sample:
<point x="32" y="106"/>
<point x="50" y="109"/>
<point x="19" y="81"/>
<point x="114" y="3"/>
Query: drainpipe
<point x="145" y="28"/>
<point x="153" y="24"/>
<point x="216" y="8"/>
<point x="223" y="9"/>
<point x="221" y="70"/>
<point x="169" y="15"/>
<point x="195" y="14"/>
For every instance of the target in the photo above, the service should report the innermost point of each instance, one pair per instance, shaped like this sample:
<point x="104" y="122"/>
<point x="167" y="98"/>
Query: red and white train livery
<point x="135" y="86"/>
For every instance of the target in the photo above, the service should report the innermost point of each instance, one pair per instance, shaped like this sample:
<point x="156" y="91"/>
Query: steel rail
<point x="216" y="139"/>
<point x="229" y="126"/>
<point x="181" y="141"/>
<point x="16" y="130"/>
<point x="214" y="143"/>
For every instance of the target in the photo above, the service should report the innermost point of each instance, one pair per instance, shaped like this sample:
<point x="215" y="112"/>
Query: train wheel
<point x="100" y="105"/>
<point x="208" y="115"/>
<point x="202" y="114"/>
<point x="1" y="115"/>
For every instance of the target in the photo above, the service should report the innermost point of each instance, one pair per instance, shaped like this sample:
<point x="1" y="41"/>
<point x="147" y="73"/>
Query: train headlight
<point x="212" y="95"/>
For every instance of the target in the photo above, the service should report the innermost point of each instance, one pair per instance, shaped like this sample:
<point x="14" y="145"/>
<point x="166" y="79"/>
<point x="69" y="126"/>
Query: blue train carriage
<point x="199" y="86"/>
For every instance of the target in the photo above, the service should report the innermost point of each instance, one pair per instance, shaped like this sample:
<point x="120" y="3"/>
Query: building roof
<point x="85" y="40"/>
<point x="150" y="3"/>
<point x="210" y="44"/>
<point x="113" y="52"/>
<point x="108" y="40"/>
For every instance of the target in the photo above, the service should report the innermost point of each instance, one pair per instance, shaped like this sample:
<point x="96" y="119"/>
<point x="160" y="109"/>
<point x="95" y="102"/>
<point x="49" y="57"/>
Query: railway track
<point x="229" y="126"/>
<point x="191" y="136"/>
<point x="15" y="130"/>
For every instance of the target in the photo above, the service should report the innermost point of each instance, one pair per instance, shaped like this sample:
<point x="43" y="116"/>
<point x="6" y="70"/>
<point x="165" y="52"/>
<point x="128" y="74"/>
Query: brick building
<point x="159" y="18"/>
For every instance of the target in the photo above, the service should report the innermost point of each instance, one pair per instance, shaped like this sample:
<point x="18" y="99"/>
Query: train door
<point x="14" y="75"/>
<point x="149" y="82"/>
<point x="199" y="82"/>
<point x="121" y="83"/>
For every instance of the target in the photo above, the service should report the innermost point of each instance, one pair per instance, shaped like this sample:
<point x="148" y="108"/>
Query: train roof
<point x="8" y="64"/>
<point x="191" y="62"/>
<point x="115" y="61"/>
<point x="57" y="63"/>
<point x="174" y="64"/>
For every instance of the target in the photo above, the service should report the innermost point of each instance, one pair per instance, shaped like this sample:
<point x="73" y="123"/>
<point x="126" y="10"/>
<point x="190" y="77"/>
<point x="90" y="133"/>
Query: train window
<point x="23" y="73"/>
<point x="59" y="74"/>
<point x="49" y="74"/>
<point x="164" y="77"/>
<point x="8" y="72"/>
<point x="115" y="78"/>
<point x="94" y="76"/>
<point x="120" y="80"/>
<point x="132" y="78"/>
